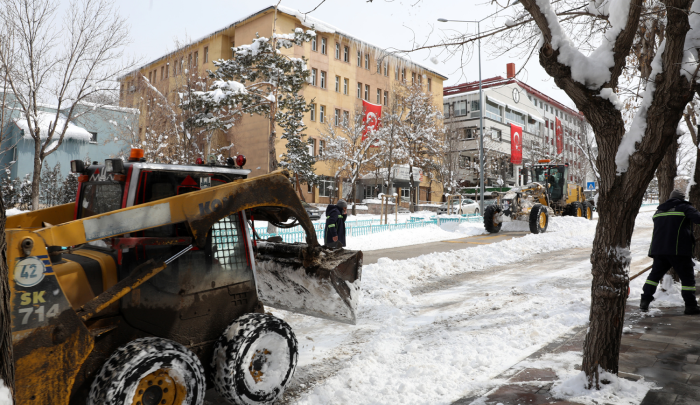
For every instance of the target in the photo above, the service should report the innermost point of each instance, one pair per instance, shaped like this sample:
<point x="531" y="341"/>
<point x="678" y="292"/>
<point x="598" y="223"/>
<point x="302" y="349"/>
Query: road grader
<point x="549" y="194"/>
<point x="151" y="287"/>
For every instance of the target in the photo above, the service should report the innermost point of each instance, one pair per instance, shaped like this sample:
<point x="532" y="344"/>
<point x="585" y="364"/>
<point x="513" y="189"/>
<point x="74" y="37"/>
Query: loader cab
<point x="553" y="177"/>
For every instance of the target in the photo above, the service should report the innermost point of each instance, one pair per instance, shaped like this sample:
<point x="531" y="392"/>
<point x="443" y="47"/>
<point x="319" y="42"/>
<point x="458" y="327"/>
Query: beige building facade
<point x="344" y="71"/>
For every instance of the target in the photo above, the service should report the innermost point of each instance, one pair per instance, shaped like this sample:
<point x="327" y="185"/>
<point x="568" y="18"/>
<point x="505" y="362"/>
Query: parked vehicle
<point x="468" y="206"/>
<point x="313" y="212"/>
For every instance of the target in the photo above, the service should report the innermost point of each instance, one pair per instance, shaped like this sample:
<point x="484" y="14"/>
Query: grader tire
<point x="539" y="219"/>
<point x="490" y="225"/>
<point x="149" y="371"/>
<point x="577" y="210"/>
<point x="587" y="211"/>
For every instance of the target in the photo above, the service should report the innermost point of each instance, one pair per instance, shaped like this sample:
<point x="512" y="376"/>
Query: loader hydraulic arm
<point x="271" y="196"/>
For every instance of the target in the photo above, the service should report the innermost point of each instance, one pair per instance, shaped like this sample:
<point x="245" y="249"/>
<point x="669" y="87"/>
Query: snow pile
<point x="608" y="94"/>
<point x="617" y="390"/>
<point x="48" y="120"/>
<point x="5" y="396"/>
<point x="14" y="211"/>
<point x="405" y="237"/>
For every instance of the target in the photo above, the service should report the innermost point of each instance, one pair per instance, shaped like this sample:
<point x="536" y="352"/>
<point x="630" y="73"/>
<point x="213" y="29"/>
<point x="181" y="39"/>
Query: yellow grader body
<point x="549" y="194"/>
<point x="173" y="269"/>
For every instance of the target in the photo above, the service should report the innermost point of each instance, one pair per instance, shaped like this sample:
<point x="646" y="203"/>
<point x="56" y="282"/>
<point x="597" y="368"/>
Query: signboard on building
<point x="401" y="173"/>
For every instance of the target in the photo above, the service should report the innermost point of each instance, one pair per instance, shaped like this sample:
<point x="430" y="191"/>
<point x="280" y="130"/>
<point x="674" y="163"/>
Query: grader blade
<point x="324" y="283"/>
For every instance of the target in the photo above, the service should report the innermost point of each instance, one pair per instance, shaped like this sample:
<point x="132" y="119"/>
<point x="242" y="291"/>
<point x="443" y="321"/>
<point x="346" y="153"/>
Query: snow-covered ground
<point x="5" y="397"/>
<point x="438" y="327"/>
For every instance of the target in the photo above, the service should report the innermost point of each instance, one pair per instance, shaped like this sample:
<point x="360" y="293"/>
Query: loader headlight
<point x="77" y="166"/>
<point x="114" y="166"/>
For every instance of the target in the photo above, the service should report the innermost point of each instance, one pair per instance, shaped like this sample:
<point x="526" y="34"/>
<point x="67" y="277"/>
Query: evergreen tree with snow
<point x="69" y="189"/>
<point x="261" y="80"/>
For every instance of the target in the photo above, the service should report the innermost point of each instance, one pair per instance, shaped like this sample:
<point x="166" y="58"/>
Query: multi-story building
<point x="344" y="71"/>
<point x="510" y="101"/>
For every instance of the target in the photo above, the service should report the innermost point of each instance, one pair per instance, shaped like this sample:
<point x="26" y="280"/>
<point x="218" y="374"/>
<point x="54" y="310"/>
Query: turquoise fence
<point x="368" y="227"/>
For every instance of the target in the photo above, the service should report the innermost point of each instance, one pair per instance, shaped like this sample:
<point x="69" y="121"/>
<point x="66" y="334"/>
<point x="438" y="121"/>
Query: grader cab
<point x="548" y="194"/>
<point x="150" y="287"/>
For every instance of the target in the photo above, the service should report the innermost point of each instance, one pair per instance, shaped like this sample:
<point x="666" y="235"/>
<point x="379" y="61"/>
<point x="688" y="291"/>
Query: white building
<point x="508" y="100"/>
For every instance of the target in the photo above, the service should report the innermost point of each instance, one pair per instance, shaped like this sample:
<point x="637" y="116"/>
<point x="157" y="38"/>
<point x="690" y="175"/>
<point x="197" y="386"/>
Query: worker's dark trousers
<point x="683" y="265"/>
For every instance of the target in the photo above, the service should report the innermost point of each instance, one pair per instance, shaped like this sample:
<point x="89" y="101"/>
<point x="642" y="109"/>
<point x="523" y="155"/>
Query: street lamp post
<point x="481" y="103"/>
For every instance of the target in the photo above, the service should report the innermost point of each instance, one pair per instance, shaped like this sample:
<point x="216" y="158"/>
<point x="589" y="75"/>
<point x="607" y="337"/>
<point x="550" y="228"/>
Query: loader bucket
<point x="325" y="284"/>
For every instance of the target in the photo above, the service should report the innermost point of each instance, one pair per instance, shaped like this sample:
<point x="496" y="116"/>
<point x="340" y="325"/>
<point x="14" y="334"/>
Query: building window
<point x="463" y="162"/>
<point x="496" y="134"/>
<point x="337" y="84"/>
<point x="196" y="59"/>
<point x="367" y="61"/>
<point x="367" y="92"/>
<point x="386" y="98"/>
<point x="323" y="80"/>
<point x="337" y="50"/>
<point x="323" y="45"/>
<point x="175" y="68"/>
<point x="379" y="67"/>
<point x="313" y="44"/>
<point x="430" y="85"/>
<point x="405" y="194"/>
<point x="150" y="77"/>
<point x="346" y="117"/>
<point x="167" y="70"/>
<point x="337" y="117"/>
<point x="312" y="146"/>
<point x="162" y="72"/>
<point x="346" y="84"/>
<point x="189" y="61"/>
<point x="314" y="72"/>
<point x="396" y="72"/>
<point x="346" y="54"/>
<point x="493" y="111"/>
<point x="321" y="147"/>
<point x="206" y="54"/>
<point x="460" y="108"/>
<point x="403" y="75"/>
<point x="359" y="90"/>
<point x="379" y="96"/>
<point x="93" y="137"/>
<point x="446" y="110"/>
<point x="386" y="69"/>
<point x="413" y="78"/>
<point x="475" y="105"/>
<point x="309" y="188"/>
<point x="326" y="187"/>
<point x="322" y="114"/>
<point x="312" y="111"/>
<point x="359" y="58"/>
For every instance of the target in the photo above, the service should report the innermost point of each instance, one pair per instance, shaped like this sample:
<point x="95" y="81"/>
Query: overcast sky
<point x="157" y="24"/>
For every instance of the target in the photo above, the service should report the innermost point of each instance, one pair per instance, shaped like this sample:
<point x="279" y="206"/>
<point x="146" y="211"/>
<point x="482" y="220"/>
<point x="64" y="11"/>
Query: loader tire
<point x="577" y="210"/>
<point x="254" y="359"/>
<point x="587" y="211"/>
<point x="149" y="371"/>
<point x="490" y="224"/>
<point x="539" y="219"/>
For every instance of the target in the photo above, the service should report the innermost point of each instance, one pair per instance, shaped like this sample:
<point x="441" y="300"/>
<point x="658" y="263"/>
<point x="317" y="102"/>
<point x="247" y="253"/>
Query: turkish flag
<point x="560" y="136"/>
<point x="516" y="144"/>
<point x="370" y="117"/>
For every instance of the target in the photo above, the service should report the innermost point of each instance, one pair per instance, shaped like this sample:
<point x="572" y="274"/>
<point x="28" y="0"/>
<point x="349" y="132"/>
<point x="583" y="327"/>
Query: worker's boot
<point x="692" y="310"/>
<point x="644" y="303"/>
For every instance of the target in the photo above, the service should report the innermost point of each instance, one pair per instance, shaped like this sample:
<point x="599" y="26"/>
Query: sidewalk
<point x="663" y="348"/>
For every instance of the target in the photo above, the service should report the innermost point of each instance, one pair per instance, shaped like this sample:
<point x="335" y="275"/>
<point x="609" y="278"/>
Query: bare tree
<point x="586" y="47"/>
<point x="62" y="64"/>
<point x="348" y="144"/>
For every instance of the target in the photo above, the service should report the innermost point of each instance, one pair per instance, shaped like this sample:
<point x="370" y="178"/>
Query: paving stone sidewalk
<point x="663" y="348"/>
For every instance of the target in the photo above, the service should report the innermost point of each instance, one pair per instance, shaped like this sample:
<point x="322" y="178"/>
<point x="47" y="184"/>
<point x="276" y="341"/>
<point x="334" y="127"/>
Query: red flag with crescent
<point x="516" y="144"/>
<point x="370" y="117"/>
<point x="560" y="136"/>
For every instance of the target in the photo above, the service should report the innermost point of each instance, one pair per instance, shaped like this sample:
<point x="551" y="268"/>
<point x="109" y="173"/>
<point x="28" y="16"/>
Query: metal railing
<point x="369" y="227"/>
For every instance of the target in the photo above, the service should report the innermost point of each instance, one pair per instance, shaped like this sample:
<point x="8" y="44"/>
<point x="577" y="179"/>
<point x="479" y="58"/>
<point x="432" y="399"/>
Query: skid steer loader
<point x="150" y="287"/>
<point x="547" y="195"/>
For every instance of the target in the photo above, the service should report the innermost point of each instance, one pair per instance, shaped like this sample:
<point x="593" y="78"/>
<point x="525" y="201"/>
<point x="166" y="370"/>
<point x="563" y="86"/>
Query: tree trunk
<point x="36" y="176"/>
<point x="7" y="371"/>
<point x="354" y="196"/>
<point x="667" y="171"/>
<point x="301" y="192"/>
<point x="694" y="198"/>
<point x="410" y="189"/>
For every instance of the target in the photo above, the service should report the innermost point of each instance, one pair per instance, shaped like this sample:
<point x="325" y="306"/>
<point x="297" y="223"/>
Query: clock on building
<point x="516" y="95"/>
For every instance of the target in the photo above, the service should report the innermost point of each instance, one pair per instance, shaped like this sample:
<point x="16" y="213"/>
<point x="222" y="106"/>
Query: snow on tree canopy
<point x="594" y="70"/>
<point x="46" y="119"/>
